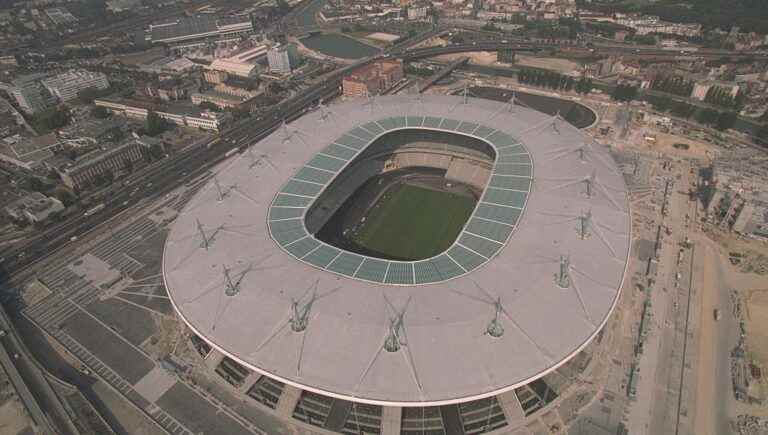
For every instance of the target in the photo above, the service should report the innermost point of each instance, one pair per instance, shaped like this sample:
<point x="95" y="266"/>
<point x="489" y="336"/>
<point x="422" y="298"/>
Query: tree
<point x="624" y="93"/>
<point x="239" y="112"/>
<point x="155" y="152"/>
<point x="155" y="125"/>
<point x="65" y="196"/>
<point x="37" y="185"/>
<point x="707" y="116"/>
<point x="100" y="112"/>
<point x="51" y="119"/>
<point x="114" y="134"/>
<point x="207" y="105"/>
<point x="682" y="109"/>
<point x="87" y="95"/>
<point x="662" y="104"/>
<point x="761" y="136"/>
<point x="725" y="120"/>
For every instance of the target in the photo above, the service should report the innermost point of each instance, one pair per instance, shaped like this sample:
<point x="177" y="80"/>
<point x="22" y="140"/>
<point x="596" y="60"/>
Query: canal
<point x="306" y="17"/>
<point x="340" y="46"/>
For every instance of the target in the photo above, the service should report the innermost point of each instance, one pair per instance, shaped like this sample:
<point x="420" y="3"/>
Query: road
<point x="169" y="173"/>
<point x="714" y="392"/>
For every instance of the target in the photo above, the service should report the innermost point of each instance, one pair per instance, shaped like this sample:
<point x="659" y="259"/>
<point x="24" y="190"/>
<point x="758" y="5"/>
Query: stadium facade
<point x="466" y="341"/>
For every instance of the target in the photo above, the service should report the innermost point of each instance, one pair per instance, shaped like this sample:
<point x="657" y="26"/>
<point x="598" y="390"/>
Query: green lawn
<point x="414" y="223"/>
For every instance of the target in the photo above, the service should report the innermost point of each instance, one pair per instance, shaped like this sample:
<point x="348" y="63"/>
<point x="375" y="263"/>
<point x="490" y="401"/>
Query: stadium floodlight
<point x="495" y="329"/>
<point x="585" y="221"/>
<point x="563" y="277"/>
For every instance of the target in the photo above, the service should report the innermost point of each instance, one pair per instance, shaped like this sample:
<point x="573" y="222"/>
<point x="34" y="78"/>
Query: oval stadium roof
<point x="528" y="283"/>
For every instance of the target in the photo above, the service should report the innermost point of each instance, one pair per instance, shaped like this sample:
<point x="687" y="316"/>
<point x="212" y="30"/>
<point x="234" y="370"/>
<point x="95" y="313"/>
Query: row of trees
<point x="553" y="80"/>
<point x="624" y="93"/>
<point x="711" y="117"/>
<point x="749" y="15"/>
<point x="673" y="85"/>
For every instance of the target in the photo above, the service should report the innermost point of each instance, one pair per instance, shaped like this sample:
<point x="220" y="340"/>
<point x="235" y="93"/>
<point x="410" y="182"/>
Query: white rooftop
<point x="446" y="354"/>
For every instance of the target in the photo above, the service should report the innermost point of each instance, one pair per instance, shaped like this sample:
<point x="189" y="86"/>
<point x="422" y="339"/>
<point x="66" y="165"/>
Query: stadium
<point x="405" y="264"/>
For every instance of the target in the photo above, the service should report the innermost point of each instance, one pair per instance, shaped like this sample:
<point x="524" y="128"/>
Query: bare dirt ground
<point x="431" y="42"/>
<point x="698" y="150"/>
<point x="665" y="142"/>
<point x="757" y="323"/>
<point x="477" y="58"/>
<point x="562" y="66"/>
<point x="13" y="418"/>
<point x="142" y="57"/>
<point x="753" y="289"/>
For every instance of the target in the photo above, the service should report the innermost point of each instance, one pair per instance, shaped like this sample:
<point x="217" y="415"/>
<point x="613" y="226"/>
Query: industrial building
<point x="66" y="86"/>
<point x="33" y="208"/>
<point x="221" y="100"/>
<point x="181" y="116"/>
<point x="373" y="78"/>
<point x="29" y="93"/>
<point x="200" y="27"/>
<point x="469" y="341"/>
<point x="242" y="64"/>
<point x="86" y="171"/>
<point x="167" y="90"/>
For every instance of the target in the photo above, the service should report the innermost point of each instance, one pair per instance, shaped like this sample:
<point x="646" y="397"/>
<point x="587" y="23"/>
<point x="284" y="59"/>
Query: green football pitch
<point x="412" y="223"/>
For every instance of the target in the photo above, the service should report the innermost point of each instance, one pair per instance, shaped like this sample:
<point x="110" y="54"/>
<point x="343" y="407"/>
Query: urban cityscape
<point x="394" y="217"/>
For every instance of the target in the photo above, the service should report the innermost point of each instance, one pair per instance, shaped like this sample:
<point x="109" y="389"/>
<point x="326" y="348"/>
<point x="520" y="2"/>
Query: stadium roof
<point x="529" y="288"/>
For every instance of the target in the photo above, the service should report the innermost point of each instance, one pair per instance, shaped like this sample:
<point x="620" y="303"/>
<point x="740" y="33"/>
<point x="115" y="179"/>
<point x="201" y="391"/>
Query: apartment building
<point x="373" y="79"/>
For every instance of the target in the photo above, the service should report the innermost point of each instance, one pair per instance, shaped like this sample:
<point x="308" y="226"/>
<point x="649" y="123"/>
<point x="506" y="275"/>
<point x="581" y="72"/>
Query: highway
<point x="166" y="175"/>
<point x="163" y="176"/>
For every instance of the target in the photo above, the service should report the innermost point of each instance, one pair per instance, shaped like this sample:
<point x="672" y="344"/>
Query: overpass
<point x="420" y="53"/>
<point x="444" y="71"/>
